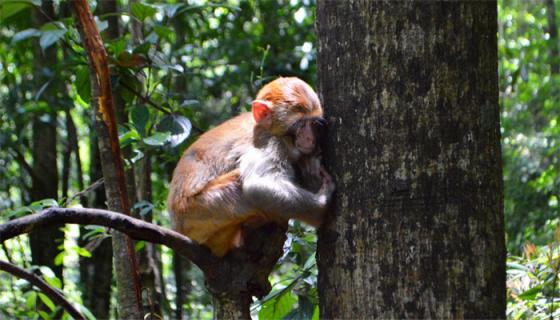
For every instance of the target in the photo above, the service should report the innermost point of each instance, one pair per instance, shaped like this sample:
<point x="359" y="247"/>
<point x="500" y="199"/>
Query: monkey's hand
<point x="328" y="186"/>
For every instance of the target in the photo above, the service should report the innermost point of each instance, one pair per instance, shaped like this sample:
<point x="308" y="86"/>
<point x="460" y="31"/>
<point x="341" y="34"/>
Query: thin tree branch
<point x="21" y="160"/>
<point x="133" y="227"/>
<point x="35" y="280"/>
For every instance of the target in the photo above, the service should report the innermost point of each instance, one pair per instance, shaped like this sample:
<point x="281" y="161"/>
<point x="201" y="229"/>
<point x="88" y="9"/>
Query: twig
<point x="90" y="188"/>
<point x="133" y="227"/>
<point x="51" y="292"/>
<point x="21" y="160"/>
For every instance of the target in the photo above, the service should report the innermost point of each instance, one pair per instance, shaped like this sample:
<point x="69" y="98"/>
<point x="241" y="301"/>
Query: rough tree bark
<point x="411" y="93"/>
<point x="96" y="272"/>
<point x="44" y="243"/>
<point x="126" y="268"/>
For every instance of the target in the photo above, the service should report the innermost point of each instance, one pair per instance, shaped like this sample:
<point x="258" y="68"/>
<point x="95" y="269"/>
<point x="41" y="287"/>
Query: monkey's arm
<point x="280" y="197"/>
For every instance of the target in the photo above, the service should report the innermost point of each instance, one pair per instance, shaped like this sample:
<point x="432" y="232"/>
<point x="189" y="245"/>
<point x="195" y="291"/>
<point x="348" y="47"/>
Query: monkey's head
<point x="290" y="107"/>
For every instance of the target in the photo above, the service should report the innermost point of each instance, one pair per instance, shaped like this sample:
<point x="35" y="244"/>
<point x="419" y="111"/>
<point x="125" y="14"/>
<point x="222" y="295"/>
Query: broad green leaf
<point x="102" y="25"/>
<point x="142" y="11"/>
<point x="278" y="307"/>
<point x="177" y="126"/>
<point x="49" y="37"/>
<point x="44" y="315"/>
<point x="47" y="301"/>
<point x="157" y="139"/>
<point x="54" y="282"/>
<point x="83" y="85"/>
<point x="304" y="310"/>
<point x="27" y="33"/>
<point x="93" y="232"/>
<point x="31" y="300"/>
<point x="532" y="293"/>
<point x="171" y="9"/>
<point x="139" y="115"/>
<point x="85" y="311"/>
<point x="189" y="103"/>
<point x="10" y="7"/>
<point x="139" y="246"/>
<point x="43" y="204"/>
<point x="129" y="136"/>
<point x="59" y="258"/>
<point x="82" y="252"/>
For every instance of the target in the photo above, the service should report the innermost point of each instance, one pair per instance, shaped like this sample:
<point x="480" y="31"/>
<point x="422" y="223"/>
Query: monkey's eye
<point x="299" y="108"/>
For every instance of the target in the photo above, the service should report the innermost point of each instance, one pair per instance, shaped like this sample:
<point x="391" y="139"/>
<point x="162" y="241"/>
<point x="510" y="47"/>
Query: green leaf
<point x="142" y="11"/>
<point x="54" y="282"/>
<point x="93" y="231"/>
<point x="49" y="37"/>
<point x="31" y="300"/>
<point x="83" y="85"/>
<point x="102" y="25"/>
<point x="278" y="307"/>
<point x="139" y="246"/>
<point x="304" y="310"/>
<point x="27" y="33"/>
<point x="164" y="32"/>
<point x="9" y="8"/>
<point x="190" y="103"/>
<point x="532" y="293"/>
<point x="177" y="126"/>
<point x="44" y="315"/>
<point x="43" y="204"/>
<point x="47" y="301"/>
<point x="85" y="311"/>
<point x="82" y="252"/>
<point x="139" y="115"/>
<point x="59" y="258"/>
<point x="157" y="139"/>
<point x="129" y="136"/>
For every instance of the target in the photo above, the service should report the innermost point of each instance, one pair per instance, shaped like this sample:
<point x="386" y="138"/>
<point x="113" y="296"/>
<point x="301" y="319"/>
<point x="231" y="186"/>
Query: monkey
<point x="245" y="170"/>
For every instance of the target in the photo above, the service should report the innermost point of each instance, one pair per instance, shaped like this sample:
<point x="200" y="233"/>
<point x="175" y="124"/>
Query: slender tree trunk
<point x="126" y="268"/>
<point x="181" y="266"/>
<point x="553" y="32"/>
<point x="410" y="90"/>
<point x="96" y="273"/>
<point x="44" y="243"/>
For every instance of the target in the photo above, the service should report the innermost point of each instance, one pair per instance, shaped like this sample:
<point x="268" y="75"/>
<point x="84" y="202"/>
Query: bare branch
<point x="133" y="227"/>
<point x="35" y="280"/>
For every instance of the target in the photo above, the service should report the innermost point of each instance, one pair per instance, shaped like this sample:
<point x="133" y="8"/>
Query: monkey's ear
<point x="262" y="113"/>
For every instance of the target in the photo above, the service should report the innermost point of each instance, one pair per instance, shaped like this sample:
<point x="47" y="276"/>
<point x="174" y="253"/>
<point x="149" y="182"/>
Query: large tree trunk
<point x="44" y="243"/>
<point x="411" y="93"/>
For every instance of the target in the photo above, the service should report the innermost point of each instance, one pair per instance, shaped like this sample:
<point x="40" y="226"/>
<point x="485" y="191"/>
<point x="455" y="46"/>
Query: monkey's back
<point x="210" y="162"/>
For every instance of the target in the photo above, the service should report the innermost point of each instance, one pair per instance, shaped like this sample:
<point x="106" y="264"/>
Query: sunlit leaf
<point x="47" y="301"/>
<point x="27" y="33"/>
<point x="142" y="11"/>
<point x="177" y="126"/>
<point x="31" y="300"/>
<point x="157" y="139"/>
<point x="49" y="37"/>
<point x="59" y="258"/>
<point x="278" y="307"/>
<point x="82" y="251"/>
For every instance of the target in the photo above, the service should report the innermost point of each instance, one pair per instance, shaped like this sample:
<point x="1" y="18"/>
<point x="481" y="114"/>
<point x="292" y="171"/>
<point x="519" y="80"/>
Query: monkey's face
<point x="291" y="101"/>
<point x="306" y="133"/>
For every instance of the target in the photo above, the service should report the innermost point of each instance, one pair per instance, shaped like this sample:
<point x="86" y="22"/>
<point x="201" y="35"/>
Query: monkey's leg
<point x="216" y="213"/>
